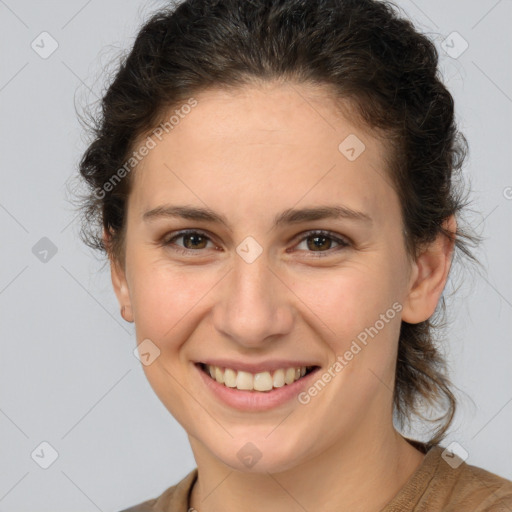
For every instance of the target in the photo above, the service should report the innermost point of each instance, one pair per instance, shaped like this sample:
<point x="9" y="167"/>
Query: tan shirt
<point x="435" y="486"/>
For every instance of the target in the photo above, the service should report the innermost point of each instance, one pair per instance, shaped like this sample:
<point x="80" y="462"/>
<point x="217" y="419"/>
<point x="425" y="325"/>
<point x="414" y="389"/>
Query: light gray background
<point x="68" y="374"/>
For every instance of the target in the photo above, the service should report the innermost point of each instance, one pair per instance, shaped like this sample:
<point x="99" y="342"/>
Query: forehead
<point x="260" y="146"/>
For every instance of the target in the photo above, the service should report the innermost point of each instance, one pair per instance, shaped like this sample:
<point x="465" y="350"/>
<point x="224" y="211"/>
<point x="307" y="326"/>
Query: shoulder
<point x="456" y="485"/>
<point x="174" y="499"/>
<point x="476" y="488"/>
<point x="444" y="482"/>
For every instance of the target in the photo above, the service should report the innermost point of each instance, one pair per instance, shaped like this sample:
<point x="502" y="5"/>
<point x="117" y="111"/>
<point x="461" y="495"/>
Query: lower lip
<point x="255" y="400"/>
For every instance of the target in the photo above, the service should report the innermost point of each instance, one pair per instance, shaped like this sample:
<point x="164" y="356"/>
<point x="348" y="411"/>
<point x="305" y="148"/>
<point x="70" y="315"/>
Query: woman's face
<point x="250" y="290"/>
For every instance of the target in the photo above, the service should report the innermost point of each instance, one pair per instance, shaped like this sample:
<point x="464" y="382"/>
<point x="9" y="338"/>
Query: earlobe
<point x="429" y="275"/>
<point x="121" y="290"/>
<point x="120" y="286"/>
<point x="126" y="313"/>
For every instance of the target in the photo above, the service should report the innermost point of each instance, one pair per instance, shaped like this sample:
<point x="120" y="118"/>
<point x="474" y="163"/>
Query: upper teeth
<point x="262" y="381"/>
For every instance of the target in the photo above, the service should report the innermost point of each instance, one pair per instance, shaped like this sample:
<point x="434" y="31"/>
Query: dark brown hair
<point x="368" y="56"/>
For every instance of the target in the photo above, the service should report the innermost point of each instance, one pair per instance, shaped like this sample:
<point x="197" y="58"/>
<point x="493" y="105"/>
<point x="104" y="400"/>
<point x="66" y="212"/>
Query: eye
<point x="193" y="241"/>
<point x="319" y="242"/>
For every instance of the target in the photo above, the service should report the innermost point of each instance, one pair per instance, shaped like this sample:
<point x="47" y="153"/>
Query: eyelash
<point x="343" y="243"/>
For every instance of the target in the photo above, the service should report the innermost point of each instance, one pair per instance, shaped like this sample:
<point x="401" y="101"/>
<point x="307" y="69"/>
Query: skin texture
<point x="249" y="155"/>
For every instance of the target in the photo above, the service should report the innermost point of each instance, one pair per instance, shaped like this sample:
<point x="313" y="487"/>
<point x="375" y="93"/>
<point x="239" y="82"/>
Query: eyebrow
<point x="289" y="216"/>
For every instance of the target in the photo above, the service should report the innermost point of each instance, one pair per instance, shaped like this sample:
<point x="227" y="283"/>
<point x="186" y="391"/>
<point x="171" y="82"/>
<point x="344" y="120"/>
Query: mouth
<point x="260" y="382"/>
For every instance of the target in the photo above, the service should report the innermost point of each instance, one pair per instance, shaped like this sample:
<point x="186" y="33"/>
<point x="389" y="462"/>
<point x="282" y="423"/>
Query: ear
<point x="428" y="276"/>
<point x="119" y="283"/>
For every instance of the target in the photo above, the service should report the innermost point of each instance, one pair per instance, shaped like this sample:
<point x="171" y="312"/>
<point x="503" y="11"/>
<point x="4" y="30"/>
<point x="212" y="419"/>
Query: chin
<point x="259" y="457"/>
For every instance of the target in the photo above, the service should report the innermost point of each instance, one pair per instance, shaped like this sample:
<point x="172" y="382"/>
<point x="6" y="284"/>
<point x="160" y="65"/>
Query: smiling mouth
<point x="262" y="381"/>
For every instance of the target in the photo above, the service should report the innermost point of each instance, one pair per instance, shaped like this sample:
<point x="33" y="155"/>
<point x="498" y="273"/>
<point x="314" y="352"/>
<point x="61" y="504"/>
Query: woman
<point x="276" y="186"/>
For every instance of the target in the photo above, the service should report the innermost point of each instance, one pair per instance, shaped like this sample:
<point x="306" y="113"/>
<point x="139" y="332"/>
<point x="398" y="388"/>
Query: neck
<point x="360" y="475"/>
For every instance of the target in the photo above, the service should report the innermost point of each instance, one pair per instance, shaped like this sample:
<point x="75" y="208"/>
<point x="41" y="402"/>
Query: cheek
<point x="346" y="300"/>
<point x="163" y="296"/>
<point x="167" y="308"/>
<point x="357" y="312"/>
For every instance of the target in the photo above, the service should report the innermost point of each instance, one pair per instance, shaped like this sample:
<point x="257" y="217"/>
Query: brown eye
<point x="322" y="242"/>
<point x="318" y="242"/>
<point x="193" y="241"/>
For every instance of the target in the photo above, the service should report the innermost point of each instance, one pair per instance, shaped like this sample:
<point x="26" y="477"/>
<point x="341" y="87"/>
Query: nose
<point x="255" y="306"/>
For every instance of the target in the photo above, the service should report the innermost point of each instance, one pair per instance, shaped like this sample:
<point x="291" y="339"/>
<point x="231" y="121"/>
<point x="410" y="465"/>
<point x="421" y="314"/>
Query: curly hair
<point x="361" y="50"/>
